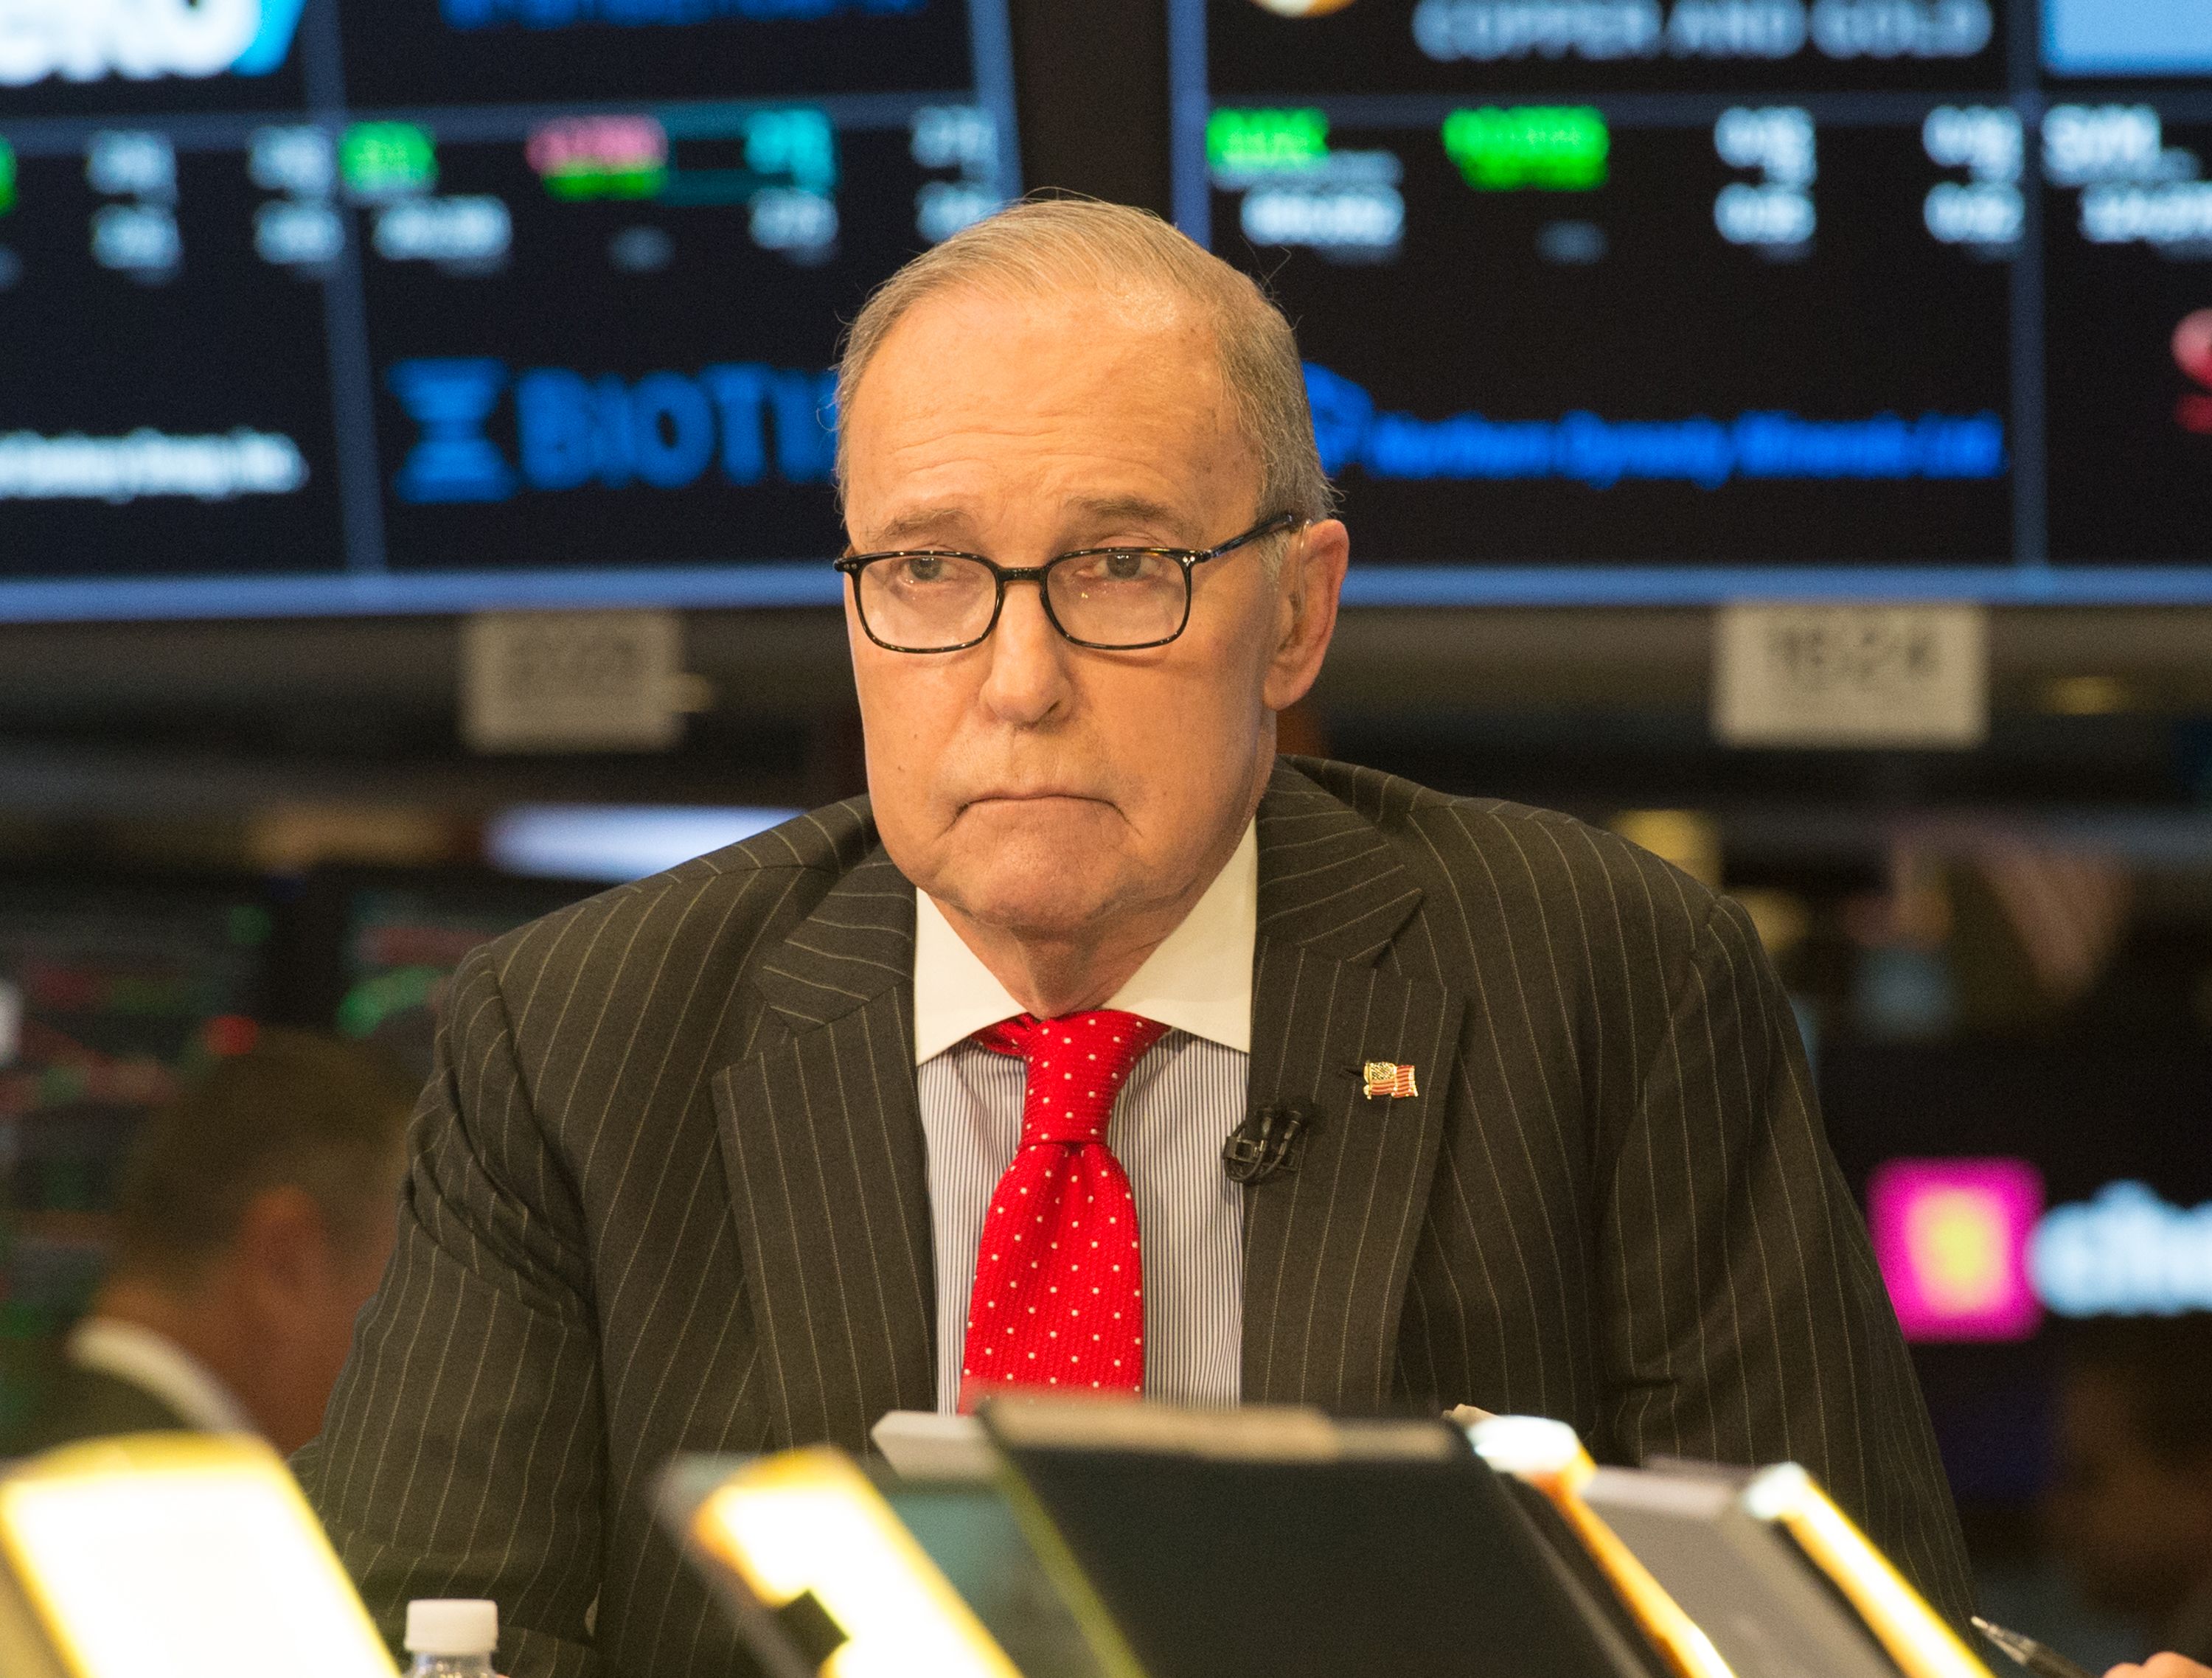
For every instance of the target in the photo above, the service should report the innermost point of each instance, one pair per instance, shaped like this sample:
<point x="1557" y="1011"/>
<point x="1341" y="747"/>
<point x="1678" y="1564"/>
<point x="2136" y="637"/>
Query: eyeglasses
<point x="1112" y="599"/>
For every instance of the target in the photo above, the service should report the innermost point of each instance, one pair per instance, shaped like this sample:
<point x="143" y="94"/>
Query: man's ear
<point x="1312" y="581"/>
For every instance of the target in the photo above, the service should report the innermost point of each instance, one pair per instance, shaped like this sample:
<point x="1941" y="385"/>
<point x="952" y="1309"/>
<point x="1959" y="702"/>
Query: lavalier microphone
<point x="1266" y="1145"/>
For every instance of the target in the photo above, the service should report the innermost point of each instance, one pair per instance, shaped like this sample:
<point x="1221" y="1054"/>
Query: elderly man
<point x="815" y="1128"/>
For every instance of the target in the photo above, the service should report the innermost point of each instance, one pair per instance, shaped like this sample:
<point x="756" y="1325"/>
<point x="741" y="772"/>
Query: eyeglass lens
<point x="1115" y="598"/>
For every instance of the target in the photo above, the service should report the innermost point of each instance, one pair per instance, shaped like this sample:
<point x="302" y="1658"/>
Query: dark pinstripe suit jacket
<point x="668" y="1194"/>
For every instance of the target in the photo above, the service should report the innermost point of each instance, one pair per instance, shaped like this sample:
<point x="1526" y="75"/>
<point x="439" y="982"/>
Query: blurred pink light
<point x="1951" y="1236"/>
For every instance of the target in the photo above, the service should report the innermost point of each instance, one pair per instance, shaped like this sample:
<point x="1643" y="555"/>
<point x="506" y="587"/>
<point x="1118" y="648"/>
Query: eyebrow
<point x="933" y="523"/>
<point x="922" y="521"/>
<point x="1133" y="510"/>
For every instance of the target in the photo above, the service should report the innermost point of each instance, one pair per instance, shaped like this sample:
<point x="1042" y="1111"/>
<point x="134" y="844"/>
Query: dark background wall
<point x="1092" y="98"/>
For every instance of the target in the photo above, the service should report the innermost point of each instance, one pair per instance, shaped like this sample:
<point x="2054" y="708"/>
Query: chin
<point x="1039" y="890"/>
<point x="1040" y="894"/>
<point x="1058" y="901"/>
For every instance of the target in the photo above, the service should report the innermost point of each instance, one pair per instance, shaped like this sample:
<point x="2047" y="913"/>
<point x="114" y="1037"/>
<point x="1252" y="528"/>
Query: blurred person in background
<point x="256" y="1215"/>
<point x="2131" y="1512"/>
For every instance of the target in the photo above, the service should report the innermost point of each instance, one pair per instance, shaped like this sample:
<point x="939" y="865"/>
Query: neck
<point x="1060" y="975"/>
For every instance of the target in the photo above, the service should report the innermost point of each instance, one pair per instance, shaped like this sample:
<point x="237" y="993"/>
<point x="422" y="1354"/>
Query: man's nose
<point x="1028" y="677"/>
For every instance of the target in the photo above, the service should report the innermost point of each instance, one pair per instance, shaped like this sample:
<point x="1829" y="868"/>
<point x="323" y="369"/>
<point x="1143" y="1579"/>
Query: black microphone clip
<point x="1266" y="1145"/>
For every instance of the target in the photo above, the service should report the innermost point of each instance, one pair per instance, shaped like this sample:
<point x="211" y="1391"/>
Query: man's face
<point x="1032" y="785"/>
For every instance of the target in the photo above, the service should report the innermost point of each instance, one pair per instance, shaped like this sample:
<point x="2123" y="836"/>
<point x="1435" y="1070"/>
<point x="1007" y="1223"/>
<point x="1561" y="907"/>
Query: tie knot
<point x="1078" y="1064"/>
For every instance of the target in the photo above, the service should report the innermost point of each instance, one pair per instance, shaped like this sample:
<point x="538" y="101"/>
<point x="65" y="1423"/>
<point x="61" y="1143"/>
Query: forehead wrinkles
<point x="1078" y="373"/>
<point x="1139" y="329"/>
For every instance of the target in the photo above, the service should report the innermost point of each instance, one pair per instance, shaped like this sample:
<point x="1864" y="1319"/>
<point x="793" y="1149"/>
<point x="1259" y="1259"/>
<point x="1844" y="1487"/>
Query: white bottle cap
<point x="452" y="1625"/>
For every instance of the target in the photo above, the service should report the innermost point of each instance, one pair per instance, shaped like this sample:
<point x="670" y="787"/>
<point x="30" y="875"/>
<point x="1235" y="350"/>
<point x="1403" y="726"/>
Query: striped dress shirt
<point x="1181" y="1100"/>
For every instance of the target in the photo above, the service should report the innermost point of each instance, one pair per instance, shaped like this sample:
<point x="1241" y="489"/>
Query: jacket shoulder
<point x="1491" y="857"/>
<point x="91" y="1404"/>
<point x="714" y="912"/>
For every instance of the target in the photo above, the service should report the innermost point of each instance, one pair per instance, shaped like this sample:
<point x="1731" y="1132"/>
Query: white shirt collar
<point x="1199" y="980"/>
<point x="157" y="1365"/>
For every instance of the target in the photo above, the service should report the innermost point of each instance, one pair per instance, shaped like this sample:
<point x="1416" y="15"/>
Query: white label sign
<point x="571" y="681"/>
<point x="1851" y="675"/>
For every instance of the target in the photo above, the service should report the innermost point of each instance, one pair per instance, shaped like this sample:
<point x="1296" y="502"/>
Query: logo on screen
<point x="1951" y="1236"/>
<point x="143" y="41"/>
<point x="1587" y="448"/>
<point x="741" y="420"/>
<point x="449" y="400"/>
<point x="2124" y="1252"/>
<point x="2192" y="354"/>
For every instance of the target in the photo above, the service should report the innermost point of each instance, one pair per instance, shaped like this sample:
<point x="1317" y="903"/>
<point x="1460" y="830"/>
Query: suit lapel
<point x="1327" y="1248"/>
<point x="822" y="1147"/>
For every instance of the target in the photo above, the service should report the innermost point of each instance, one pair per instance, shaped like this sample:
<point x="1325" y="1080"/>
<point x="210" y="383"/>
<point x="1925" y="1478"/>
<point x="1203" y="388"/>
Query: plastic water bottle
<point x="452" y="1637"/>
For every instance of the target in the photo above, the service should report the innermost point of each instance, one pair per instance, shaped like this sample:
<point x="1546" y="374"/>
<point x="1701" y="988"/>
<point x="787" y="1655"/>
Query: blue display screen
<point x="329" y="306"/>
<point x="1680" y="300"/>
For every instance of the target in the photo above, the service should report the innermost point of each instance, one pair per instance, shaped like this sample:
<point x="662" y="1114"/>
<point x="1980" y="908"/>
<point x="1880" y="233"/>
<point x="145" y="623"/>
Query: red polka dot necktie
<point x="1059" y="1299"/>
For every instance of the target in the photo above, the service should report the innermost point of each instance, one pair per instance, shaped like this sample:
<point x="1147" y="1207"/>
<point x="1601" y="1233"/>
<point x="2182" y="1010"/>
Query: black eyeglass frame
<point x="1189" y="558"/>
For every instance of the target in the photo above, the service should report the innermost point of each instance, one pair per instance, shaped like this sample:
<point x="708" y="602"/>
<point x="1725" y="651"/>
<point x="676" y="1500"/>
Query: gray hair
<point x="1043" y="245"/>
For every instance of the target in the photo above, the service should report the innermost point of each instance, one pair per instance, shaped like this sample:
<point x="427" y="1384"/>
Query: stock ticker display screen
<point x="385" y="305"/>
<point x="1673" y="300"/>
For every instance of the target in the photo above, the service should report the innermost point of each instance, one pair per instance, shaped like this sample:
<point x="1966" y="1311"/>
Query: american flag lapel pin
<point x="1390" y="1080"/>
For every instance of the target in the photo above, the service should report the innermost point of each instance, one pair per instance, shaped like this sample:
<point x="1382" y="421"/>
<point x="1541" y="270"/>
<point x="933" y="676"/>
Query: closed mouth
<point x="1029" y="797"/>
